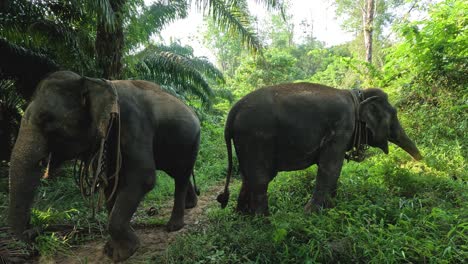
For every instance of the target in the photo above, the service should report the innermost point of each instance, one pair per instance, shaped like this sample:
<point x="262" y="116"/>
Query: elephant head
<point x="66" y="118"/>
<point x="382" y="122"/>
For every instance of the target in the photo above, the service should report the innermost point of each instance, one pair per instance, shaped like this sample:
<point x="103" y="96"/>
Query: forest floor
<point x="154" y="238"/>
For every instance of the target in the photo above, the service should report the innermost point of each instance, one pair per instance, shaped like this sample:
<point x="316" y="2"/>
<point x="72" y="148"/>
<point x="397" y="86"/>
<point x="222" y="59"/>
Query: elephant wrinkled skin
<point x="292" y="126"/>
<point x="68" y="116"/>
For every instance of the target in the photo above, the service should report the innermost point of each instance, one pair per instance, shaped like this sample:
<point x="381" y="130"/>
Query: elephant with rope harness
<point x="121" y="131"/>
<point x="293" y="126"/>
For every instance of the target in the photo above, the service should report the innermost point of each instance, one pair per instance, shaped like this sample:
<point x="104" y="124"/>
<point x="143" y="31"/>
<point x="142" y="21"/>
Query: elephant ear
<point x="372" y="113"/>
<point x="102" y="101"/>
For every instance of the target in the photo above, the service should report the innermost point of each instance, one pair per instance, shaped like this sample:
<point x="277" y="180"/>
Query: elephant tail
<point x="223" y="198"/>
<point x="197" y="191"/>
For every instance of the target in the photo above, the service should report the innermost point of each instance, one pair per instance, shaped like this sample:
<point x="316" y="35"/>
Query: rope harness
<point x="93" y="173"/>
<point x="360" y="137"/>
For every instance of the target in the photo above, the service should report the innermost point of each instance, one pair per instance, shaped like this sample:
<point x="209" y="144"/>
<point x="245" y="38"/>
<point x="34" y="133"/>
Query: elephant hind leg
<point x="258" y="169"/>
<point x="182" y="183"/>
<point x="253" y="199"/>
<point x="191" y="198"/>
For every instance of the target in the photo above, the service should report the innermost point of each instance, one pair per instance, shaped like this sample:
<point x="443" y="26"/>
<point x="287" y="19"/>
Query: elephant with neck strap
<point x="290" y="127"/>
<point x="143" y="129"/>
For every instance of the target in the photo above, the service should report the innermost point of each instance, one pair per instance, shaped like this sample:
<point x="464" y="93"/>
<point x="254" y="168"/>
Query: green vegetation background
<point x="390" y="208"/>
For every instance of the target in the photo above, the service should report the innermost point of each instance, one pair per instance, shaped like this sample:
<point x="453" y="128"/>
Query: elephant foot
<point x="259" y="204"/>
<point x="120" y="250"/>
<point x="191" y="202"/>
<point x="243" y="211"/>
<point x="311" y="208"/>
<point x="316" y="205"/>
<point x="174" y="225"/>
<point x="29" y="235"/>
<point x="262" y="211"/>
<point x="248" y="210"/>
<point x="243" y="208"/>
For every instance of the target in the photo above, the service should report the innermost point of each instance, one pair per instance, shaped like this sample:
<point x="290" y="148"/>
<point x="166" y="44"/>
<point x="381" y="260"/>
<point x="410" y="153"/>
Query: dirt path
<point x="154" y="239"/>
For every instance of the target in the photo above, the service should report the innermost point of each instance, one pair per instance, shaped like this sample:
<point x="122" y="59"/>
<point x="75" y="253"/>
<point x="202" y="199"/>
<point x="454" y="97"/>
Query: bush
<point x="433" y="53"/>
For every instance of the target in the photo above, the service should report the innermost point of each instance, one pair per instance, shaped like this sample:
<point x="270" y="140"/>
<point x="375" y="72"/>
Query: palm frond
<point x="225" y="94"/>
<point x="24" y="65"/>
<point x="11" y="105"/>
<point x="10" y="99"/>
<point x="175" y="71"/>
<point x="54" y="28"/>
<point x="103" y="10"/>
<point x="180" y="69"/>
<point x="76" y="47"/>
<point x="176" y="48"/>
<point x="171" y="89"/>
<point x="203" y="65"/>
<point x="272" y="4"/>
<point x="147" y="20"/>
<point x="232" y="16"/>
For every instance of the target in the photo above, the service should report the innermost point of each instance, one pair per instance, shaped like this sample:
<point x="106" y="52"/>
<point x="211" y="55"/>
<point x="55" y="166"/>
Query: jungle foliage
<point x="113" y="40"/>
<point x="390" y="208"/>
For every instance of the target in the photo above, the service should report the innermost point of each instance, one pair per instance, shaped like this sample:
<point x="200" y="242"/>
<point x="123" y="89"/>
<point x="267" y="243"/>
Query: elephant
<point x="69" y="117"/>
<point x="289" y="127"/>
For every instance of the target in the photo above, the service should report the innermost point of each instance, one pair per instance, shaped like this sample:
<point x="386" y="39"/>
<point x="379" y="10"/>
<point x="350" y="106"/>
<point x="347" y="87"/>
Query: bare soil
<point x="154" y="239"/>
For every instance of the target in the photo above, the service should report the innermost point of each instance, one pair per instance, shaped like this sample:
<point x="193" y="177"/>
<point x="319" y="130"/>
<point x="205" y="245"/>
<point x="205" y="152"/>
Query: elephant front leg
<point x="124" y="242"/>
<point x="243" y="201"/>
<point x="329" y="169"/>
<point x="259" y="199"/>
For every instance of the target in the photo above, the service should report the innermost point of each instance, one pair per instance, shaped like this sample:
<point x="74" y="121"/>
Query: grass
<point x="388" y="211"/>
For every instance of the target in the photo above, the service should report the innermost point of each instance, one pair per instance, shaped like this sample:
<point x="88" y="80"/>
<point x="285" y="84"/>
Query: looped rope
<point x="360" y="144"/>
<point x="92" y="173"/>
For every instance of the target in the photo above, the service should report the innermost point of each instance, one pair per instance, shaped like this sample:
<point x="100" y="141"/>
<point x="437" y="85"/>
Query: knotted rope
<point x="360" y="136"/>
<point x="92" y="173"/>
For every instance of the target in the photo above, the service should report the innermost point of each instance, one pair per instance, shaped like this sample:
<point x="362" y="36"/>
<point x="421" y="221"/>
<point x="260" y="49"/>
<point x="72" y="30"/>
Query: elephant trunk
<point x="403" y="141"/>
<point x="25" y="173"/>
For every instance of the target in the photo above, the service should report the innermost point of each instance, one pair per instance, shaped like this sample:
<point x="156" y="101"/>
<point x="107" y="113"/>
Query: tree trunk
<point x="110" y="43"/>
<point x="368" y="21"/>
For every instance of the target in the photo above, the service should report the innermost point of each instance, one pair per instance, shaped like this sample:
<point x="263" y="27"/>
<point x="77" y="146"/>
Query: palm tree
<point x="178" y="71"/>
<point x="60" y="30"/>
<point x="93" y="38"/>
<point x="66" y="31"/>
